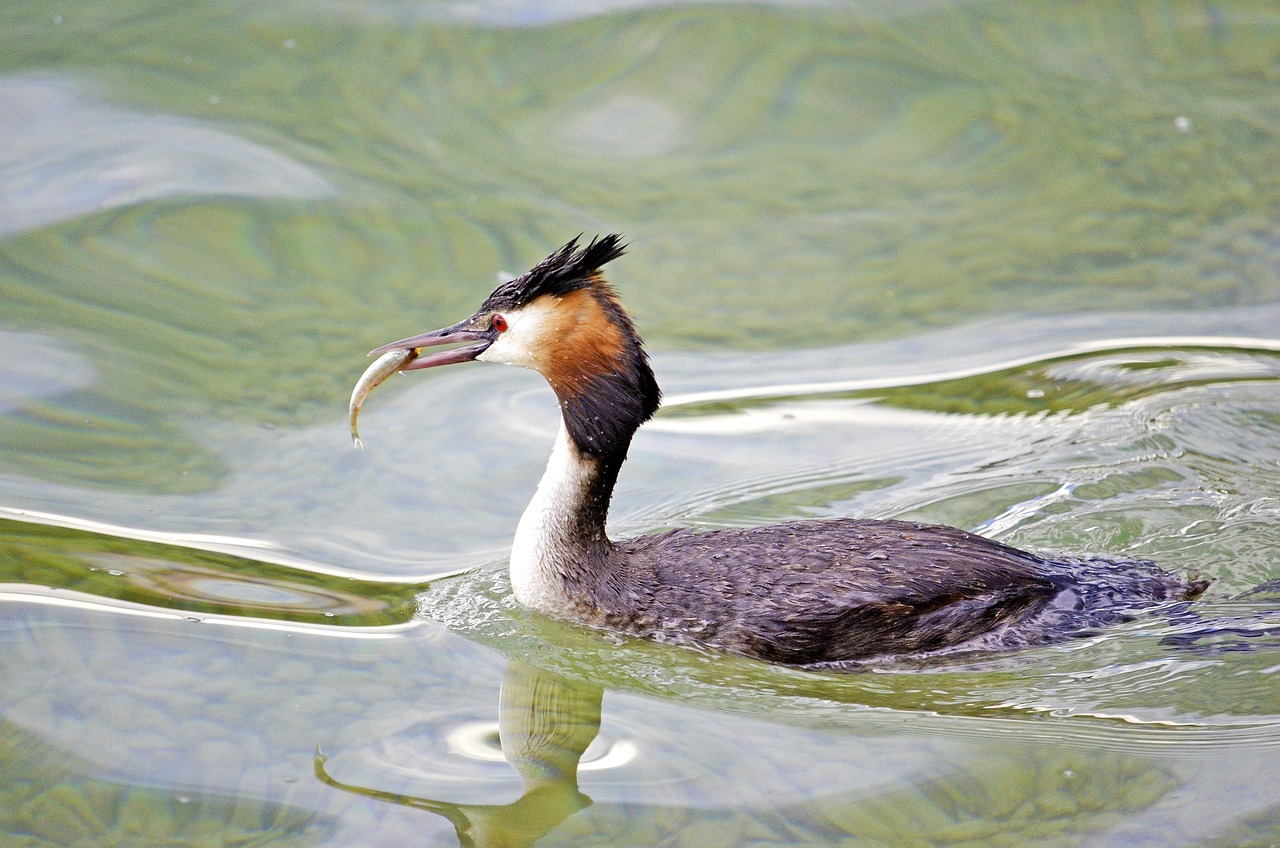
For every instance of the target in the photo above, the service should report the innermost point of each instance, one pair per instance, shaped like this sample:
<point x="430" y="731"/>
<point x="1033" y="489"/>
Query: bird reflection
<point x="545" y="723"/>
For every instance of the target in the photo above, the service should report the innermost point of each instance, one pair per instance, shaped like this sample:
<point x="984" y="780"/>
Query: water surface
<point x="1012" y="268"/>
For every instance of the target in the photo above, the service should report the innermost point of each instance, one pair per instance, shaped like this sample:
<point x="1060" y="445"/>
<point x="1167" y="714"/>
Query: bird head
<point x="563" y="320"/>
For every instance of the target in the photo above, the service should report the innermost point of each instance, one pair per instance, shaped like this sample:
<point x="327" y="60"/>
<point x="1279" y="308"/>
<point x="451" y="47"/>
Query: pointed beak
<point x="458" y="333"/>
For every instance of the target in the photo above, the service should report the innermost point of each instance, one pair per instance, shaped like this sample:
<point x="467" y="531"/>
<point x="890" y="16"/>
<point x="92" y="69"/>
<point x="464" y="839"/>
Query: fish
<point x="382" y="368"/>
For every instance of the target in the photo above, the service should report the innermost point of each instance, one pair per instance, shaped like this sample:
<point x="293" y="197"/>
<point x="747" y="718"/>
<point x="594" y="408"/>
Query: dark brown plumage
<point x="844" y="590"/>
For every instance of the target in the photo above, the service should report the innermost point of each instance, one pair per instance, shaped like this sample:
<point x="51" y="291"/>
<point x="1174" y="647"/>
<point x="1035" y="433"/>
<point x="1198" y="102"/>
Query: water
<point x="1012" y="268"/>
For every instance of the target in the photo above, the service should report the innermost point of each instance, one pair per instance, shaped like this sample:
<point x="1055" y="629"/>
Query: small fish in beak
<point x="382" y="368"/>
<point x="407" y="355"/>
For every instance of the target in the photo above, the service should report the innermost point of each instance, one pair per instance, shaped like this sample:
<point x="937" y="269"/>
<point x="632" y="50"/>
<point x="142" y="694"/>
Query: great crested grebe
<point x="820" y="592"/>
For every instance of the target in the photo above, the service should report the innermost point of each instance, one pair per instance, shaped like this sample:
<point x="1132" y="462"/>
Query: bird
<point x="815" y="593"/>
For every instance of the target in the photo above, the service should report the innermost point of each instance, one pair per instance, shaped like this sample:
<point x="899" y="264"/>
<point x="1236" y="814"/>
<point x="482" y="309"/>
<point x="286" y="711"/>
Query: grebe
<point x="810" y="593"/>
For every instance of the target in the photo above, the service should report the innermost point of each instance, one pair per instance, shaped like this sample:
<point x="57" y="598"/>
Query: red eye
<point x="499" y="323"/>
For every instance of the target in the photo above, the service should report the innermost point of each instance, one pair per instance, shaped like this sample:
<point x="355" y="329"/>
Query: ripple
<point x="1161" y="362"/>
<point x="623" y="127"/>
<point x="480" y="740"/>
<point x="103" y="564"/>
<point x="438" y="756"/>
<point x="48" y="368"/>
<point x="168" y="583"/>
<point x="529" y="13"/>
<point x="66" y="155"/>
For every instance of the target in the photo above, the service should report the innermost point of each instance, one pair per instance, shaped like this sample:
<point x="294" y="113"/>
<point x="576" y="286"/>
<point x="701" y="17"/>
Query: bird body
<point x="824" y="592"/>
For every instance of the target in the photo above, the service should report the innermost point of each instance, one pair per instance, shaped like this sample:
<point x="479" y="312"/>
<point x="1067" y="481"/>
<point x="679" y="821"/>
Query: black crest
<point x="566" y="270"/>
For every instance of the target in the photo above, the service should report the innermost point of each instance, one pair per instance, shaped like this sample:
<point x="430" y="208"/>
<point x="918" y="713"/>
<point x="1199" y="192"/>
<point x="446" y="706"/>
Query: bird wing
<point x="840" y="590"/>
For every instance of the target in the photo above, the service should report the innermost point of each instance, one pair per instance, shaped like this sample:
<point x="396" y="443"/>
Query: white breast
<point x="543" y="539"/>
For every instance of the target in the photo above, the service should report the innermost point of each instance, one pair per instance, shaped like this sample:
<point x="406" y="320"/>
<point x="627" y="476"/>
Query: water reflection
<point x="687" y="746"/>
<point x="526" y="13"/>
<point x="1107" y="373"/>
<point x="67" y="154"/>
<point x="47" y="801"/>
<point x="95" y="565"/>
<point x="545" y="725"/>
<point x="33" y="366"/>
<point x="548" y="726"/>
<point x="829" y="185"/>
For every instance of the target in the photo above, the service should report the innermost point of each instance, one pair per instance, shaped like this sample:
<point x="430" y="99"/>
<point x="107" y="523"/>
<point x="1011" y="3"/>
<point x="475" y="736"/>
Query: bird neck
<point x="560" y="543"/>
<point x="561" y="552"/>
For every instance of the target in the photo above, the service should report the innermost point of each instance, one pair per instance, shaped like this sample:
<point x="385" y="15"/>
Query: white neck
<point x="545" y="547"/>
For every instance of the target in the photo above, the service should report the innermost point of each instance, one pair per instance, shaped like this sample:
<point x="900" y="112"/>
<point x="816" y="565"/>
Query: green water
<point x="1013" y="267"/>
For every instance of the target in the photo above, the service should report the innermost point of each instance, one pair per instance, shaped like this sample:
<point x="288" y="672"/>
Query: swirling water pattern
<point x="1013" y="268"/>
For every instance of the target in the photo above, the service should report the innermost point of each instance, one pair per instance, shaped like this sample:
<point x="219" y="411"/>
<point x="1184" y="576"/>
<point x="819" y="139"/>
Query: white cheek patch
<point x="526" y="336"/>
